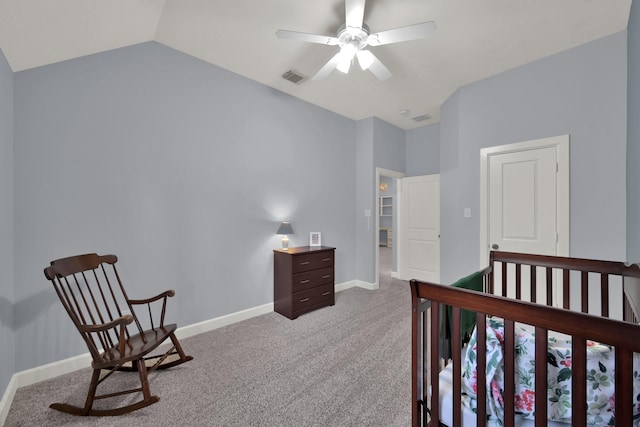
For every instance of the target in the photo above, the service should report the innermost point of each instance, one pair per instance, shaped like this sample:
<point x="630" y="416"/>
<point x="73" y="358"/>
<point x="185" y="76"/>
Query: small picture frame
<point x="315" y="239"/>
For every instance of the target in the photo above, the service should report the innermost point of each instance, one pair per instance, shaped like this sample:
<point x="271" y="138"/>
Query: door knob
<point x="494" y="246"/>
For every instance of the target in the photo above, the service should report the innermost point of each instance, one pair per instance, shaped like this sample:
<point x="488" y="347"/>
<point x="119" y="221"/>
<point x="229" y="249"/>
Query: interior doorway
<point x="387" y="217"/>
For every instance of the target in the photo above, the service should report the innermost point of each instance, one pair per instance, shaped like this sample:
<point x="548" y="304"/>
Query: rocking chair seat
<point x="137" y="346"/>
<point x="93" y="295"/>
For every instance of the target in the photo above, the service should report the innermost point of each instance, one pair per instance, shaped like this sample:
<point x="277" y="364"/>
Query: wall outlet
<point x="467" y="212"/>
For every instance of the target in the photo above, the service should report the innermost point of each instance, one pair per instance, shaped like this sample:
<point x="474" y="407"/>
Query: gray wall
<point x="423" y="150"/>
<point x="365" y="193"/>
<point x="179" y="167"/>
<point x="379" y="144"/>
<point x="7" y="361"/>
<point x="633" y="136"/>
<point x="388" y="146"/>
<point x="580" y="92"/>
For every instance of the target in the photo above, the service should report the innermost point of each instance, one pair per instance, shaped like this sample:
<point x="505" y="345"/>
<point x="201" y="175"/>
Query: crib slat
<point x="579" y="381"/>
<point x="457" y="369"/>
<point x="566" y="291"/>
<point x="549" y="286"/>
<point x="509" y="374"/>
<point x="624" y="388"/>
<point x="534" y="282"/>
<point x="424" y="381"/>
<point x="503" y="286"/>
<point x="481" y="352"/>
<point x="585" y="291"/>
<point x="604" y="294"/>
<point x="541" y="377"/>
<point x="518" y="281"/>
<point x="434" y="358"/>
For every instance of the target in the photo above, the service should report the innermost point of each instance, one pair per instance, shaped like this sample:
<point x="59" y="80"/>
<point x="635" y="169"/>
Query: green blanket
<point x="467" y="318"/>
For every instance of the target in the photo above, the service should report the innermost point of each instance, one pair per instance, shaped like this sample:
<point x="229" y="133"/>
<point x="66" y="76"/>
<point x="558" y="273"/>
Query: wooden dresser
<point x="303" y="279"/>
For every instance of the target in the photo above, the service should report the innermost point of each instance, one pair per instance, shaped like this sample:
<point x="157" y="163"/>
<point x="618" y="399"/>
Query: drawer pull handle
<point x="304" y="263"/>
<point x="304" y="300"/>
<point x="302" y="282"/>
<point x="326" y="259"/>
<point x="326" y="293"/>
<point x="326" y="276"/>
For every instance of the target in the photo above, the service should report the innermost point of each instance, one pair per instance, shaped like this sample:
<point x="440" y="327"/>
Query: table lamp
<point x="285" y="229"/>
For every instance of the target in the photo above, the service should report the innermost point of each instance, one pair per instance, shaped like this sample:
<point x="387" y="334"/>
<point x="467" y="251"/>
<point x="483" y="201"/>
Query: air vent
<point x="421" y="118"/>
<point x="293" y="77"/>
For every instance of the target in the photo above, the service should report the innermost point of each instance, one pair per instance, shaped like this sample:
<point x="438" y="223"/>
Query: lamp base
<point x="285" y="243"/>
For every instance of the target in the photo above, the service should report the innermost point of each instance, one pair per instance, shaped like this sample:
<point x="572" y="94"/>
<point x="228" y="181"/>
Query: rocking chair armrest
<point x="164" y="294"/>
<point x="120" y="321"/>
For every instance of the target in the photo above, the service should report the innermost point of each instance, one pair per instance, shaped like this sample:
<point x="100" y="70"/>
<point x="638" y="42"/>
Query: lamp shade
<point x="285" y="228"/>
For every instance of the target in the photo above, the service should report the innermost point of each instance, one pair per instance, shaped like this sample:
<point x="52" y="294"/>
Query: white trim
<point x="367" y="285"/>
<point x="561" y="143"/>
<point x="7" y="399"/>
<point x="218" y="322"/>
<point x="81" y="361"/>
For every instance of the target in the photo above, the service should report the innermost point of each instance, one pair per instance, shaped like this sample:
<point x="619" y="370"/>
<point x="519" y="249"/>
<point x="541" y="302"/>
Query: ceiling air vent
<point x="293" y="77"/>
<point x="421" y="118"/>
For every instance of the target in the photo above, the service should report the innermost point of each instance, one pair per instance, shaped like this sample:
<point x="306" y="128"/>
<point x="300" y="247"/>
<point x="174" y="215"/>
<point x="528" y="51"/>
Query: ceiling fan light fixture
<point x="365" y="59"/>
<point x="347" y="52"/>
<point x="344" y="65"/>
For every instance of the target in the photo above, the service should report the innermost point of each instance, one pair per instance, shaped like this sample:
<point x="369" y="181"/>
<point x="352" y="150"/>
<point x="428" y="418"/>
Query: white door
<point x="524" y="201"/>
<point x="419" y="232"/>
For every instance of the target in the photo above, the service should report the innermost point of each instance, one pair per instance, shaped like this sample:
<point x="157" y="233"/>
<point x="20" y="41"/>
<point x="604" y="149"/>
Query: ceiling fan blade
<point x="354" y="12"/>
<point x="304" y="37"/>
<point x="377" y="68"/>
<point x="327" y="68"/>
<point x="402" y="34"/>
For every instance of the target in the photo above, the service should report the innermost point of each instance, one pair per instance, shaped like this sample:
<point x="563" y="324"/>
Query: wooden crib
<point x="588" y="300"/>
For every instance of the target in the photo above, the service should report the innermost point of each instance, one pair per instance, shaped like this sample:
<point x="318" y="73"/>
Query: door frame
<point x="561" y="143"/>
<point x="391" y="174"/>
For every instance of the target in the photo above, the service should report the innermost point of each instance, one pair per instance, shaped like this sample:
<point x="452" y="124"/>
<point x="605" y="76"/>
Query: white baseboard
<point x="61" y="367"/>
<point x="7" y="398"/>
<point x="356" y="284"/>
<point x="218" y="322"/>
<point x="37" y="374"/>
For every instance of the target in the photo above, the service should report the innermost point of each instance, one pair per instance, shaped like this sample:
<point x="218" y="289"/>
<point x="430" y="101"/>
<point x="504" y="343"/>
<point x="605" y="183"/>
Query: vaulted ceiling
<point x="474" y="39"/>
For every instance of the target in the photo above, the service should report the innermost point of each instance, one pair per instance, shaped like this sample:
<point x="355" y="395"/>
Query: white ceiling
<point x="474" y="39"/>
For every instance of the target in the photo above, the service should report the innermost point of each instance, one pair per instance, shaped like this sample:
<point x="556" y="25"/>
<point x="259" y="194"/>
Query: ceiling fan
<point x="354" y="37"/>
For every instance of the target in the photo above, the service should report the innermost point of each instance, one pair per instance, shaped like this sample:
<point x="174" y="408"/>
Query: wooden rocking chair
<point x="91" y="291"/>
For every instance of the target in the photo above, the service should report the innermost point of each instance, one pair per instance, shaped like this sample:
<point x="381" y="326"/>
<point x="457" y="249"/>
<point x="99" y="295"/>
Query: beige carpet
<point x="347" y="365"/>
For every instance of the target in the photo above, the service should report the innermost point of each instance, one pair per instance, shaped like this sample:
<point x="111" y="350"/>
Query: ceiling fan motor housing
<point x="357" y="37"/>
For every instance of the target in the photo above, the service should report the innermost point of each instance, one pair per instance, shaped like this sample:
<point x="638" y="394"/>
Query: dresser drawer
<point x="312" y="261"/>
<point x="320" y="295"/>
<point x="309" y="279"/>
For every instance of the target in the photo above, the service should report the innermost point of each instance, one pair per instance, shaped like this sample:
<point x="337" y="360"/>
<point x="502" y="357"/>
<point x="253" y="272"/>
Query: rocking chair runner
<point x="92" y="293"/>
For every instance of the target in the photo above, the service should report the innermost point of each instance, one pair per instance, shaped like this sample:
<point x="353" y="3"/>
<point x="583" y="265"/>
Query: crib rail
<point x="431" y="300"/>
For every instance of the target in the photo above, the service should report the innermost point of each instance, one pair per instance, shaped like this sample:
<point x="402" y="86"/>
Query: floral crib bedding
<point x="600" y="377"/>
